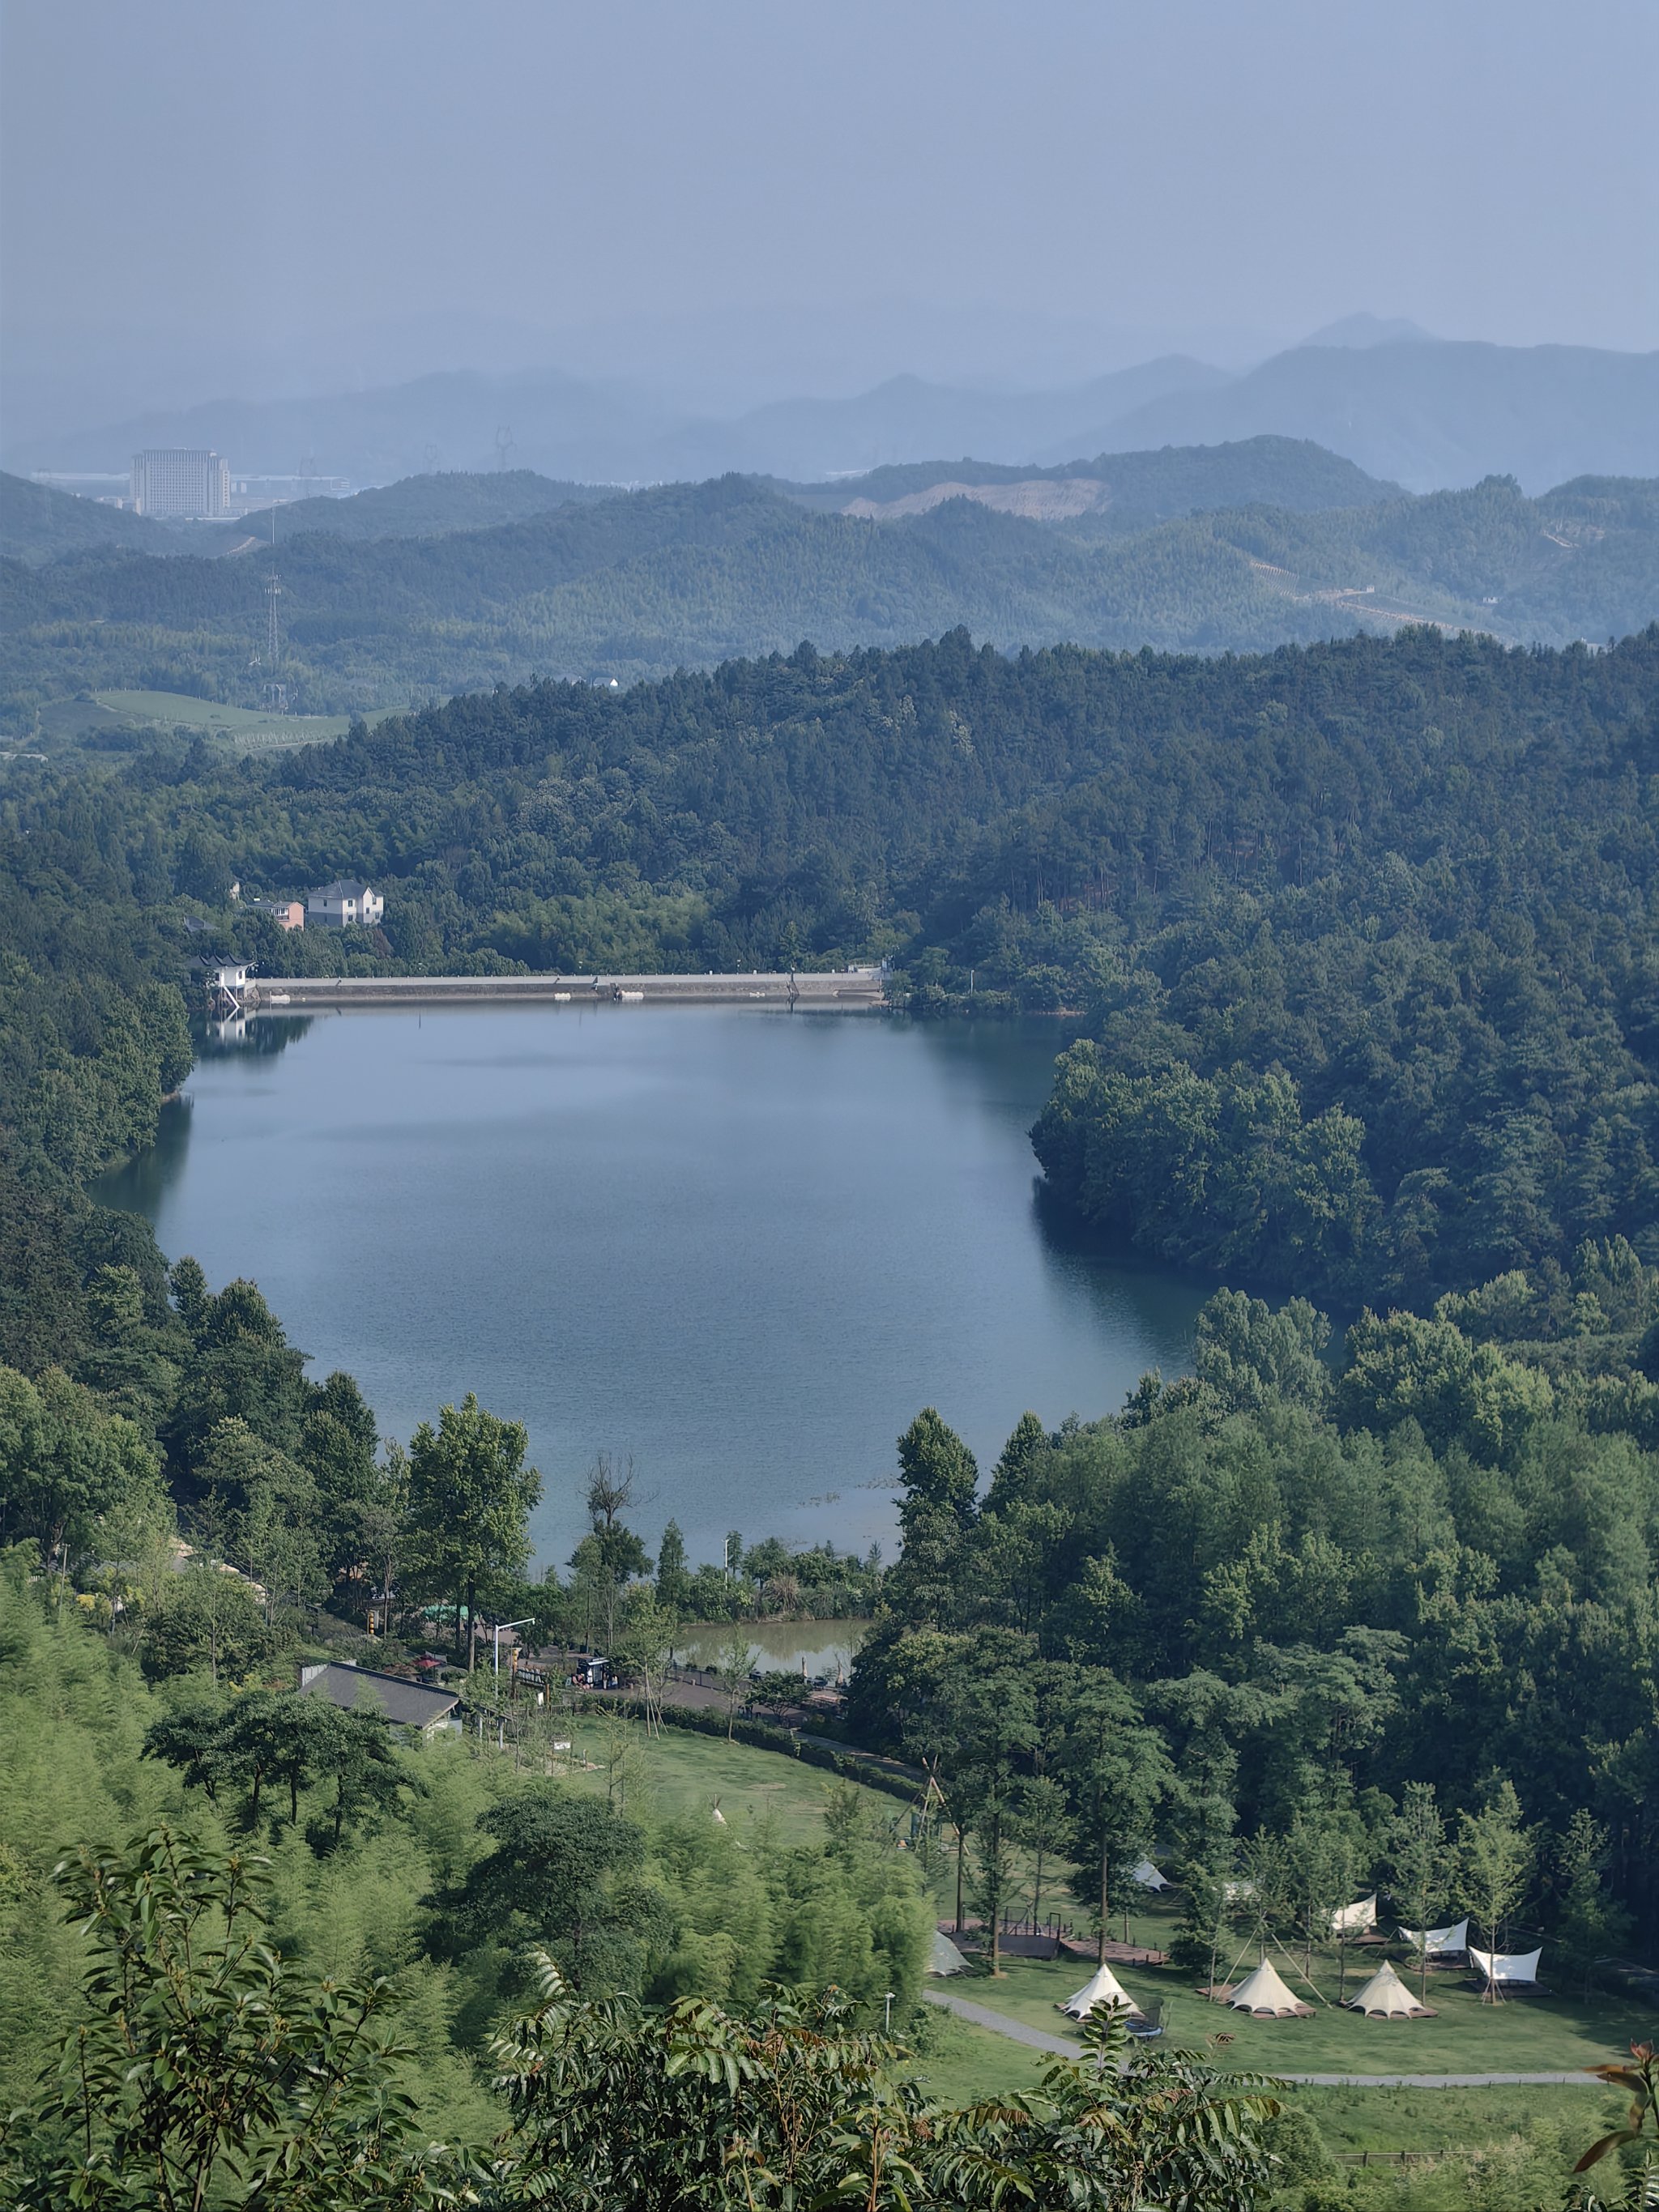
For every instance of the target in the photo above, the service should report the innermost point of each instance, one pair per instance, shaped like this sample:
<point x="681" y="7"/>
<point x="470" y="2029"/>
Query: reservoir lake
<point x="740" y="1246"/>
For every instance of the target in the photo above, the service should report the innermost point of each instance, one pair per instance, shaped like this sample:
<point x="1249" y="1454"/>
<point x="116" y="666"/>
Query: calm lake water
<point x="741" y="1246"/>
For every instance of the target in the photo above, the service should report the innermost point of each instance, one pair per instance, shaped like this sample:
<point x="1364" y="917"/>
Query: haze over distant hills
<point x="1426" y="413"/>
<point x="1430" y="414"/>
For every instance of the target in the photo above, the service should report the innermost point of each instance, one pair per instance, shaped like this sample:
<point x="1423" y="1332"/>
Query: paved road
<point x="1036" y="2040"/>
<point x="1581" y="2080"/>
<point x="983" y="2016"/>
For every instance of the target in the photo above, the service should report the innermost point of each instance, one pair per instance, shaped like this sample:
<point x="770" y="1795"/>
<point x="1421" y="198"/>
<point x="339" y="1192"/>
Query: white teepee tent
<point x="946" y="1957"/>
<point x="1385" y="1997"/>
<point x="1148" y="1875"/>
<point x="1355" y="1919"/>
<point x="1102" y="1987"/>
<point x="1265" y="1994"/>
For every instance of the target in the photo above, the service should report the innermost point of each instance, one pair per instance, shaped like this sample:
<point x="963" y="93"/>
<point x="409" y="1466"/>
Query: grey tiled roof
<point x="410" y="1705"/>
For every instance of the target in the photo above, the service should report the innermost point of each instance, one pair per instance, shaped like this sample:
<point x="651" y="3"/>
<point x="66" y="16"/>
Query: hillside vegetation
<point x="1358" y="948"/>
<point x="1361" y="931"/>
<point x="637" y="585"/>
<point x="1137" y="489"/>
<point x="425" y="505"/>
<point x="39" y="523"/>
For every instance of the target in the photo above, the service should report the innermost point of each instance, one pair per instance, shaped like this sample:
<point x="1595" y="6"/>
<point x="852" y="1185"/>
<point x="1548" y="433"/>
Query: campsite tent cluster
<point x="1264" y="1993"/>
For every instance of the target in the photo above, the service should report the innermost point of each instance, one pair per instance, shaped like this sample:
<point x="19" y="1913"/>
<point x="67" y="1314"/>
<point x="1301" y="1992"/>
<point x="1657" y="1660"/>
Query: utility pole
<point x="275" y="689"/>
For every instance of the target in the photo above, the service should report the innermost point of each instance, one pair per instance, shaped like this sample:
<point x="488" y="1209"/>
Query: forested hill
<point x="38" y="522"/>
<point x="687" y="576"/>
<point x="425" y="506"/>
<point x="1364" y="931"/>
<point x="1135" y="490"/>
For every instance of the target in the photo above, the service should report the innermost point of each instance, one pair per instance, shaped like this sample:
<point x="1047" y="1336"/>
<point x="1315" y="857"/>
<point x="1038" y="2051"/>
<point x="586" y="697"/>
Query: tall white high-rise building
<point x="181" y="480"/>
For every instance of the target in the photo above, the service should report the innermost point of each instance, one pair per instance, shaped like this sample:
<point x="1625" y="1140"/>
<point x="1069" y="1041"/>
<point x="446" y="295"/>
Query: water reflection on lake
<point x="741" y="1246"/>
<point x="812" y="1647"/>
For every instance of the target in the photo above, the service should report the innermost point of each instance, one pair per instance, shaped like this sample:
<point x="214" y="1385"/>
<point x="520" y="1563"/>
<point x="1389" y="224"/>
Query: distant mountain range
<point x="1108" y="495"/>
<point x="452" y="583"/>
<point x="1426" y="413"/>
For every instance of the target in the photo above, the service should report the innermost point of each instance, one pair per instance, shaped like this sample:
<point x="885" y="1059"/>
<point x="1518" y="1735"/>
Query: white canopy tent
<point x="1355" y="1919"/>
<point x="1148" y="1876"/>
<point x="945" y="1958"/>
<point x="1385" y="1997"/>
<point x="1266" y="1994"/>
<point x="1439" y="1942"/>
<point x="1510" y="1970"/>
<point x="1102" y="1987"/>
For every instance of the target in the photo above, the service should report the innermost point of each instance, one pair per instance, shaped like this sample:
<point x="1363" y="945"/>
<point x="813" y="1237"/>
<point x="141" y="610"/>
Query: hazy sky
<point x="217" y="180"/>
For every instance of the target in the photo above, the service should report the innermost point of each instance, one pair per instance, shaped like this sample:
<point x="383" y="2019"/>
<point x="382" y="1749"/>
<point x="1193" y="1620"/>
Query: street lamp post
<point x="888" y="2025"/>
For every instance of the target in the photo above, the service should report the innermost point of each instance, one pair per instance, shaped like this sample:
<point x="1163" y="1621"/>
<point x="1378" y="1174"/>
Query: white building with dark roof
<point x="344" y="906"/>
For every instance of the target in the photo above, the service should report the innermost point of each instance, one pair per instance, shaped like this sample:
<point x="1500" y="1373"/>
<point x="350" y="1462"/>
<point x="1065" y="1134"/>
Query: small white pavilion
<point x="1514" y="1970"/>
<point x="1439" y="1942"/>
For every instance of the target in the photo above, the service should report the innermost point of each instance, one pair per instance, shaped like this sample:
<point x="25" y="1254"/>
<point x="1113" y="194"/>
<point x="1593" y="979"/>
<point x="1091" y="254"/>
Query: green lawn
<point x="242" y="727"/>
<point x="1449" y="2119"/>
<point x="973" y="2064"/>
<point x="1523" y="2036"/>
<point x="962" y="2064"/>
<point x="676" y="1773"/>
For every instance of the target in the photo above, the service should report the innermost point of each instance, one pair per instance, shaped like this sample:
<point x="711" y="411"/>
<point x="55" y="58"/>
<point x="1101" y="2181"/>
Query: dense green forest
<point x="640" y="584"/>
<point x="1351" y="951"/>
<point x="1356" y="938"/>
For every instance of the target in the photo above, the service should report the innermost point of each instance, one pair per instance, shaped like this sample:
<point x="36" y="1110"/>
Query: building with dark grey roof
<point x="404" y="1703"/>
<point x="344" y="905"/>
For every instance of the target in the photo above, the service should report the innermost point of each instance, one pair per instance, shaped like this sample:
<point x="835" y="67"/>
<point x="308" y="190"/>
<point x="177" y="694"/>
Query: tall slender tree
<point x="469" y="1500"/>
<point x="1116" y="1772"/>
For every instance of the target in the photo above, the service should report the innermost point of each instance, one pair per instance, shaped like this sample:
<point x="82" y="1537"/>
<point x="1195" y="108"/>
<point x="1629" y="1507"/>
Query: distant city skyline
<point x="731" y="202"/>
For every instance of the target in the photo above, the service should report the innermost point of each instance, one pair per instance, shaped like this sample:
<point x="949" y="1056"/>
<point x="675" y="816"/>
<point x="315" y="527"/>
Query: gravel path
<point x="1061" y="2046"/>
